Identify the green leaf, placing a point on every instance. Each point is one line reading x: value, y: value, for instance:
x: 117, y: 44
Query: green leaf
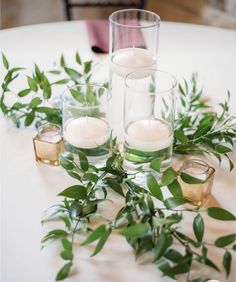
x: 78, y: 96
x: 225, y: 240
x: 67, y: 163
x: 162, y: 244
x: 30, y: 118
x: 135, y: 231
x: 173, y: 202
x: 179, y: 135
x: 38, y: 73
x: 17, y: 106
x: 188, y: 239
x: 64, y: 271
x: 24, y: 92
x: 58, y: 232
x: 227, y: 259
x: 97, y: 233
x: 91, y: 177
x: 190, y: 179
x: 55, y: 71
x: 200, y: 280
x: 67, y: 255
x: 156, y: 164
x: 102, y: 241
x: 83, y: 160
x: 169, y: 220
x: 67, y: 245
x: 154, y: 187
x: 75, y: 192
x: 78, y: 59
x: 62, y: 61
x: 54, y: 234
x: 219, y: 213
x: 90, y: 95
x: 114, y: 185
x: 74, y: 74
x: 5, y: 61
x: 32, y: 84
x: 168, y: 176
x: 75, y: 209
x: 198, y: 227
x: 175, y: 189
x: 3, y: 106
x: 222, y: 149
x: 35, y: 102
x: 47, y: 91
x: 47, y: 110
x: 87, y: 66
x: 61, y: 81
x: 207, y: 262
x: 173, y: 255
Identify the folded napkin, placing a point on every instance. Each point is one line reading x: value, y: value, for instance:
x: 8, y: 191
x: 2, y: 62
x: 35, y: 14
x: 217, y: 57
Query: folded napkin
x: 98, y: 33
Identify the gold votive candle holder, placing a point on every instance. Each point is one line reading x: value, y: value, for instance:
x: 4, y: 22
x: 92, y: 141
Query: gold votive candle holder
x: 197, y: 194
x: 48, y: 144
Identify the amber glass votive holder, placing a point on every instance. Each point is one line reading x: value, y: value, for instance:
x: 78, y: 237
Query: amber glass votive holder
x: 48, y: 144
x: 197, y: 194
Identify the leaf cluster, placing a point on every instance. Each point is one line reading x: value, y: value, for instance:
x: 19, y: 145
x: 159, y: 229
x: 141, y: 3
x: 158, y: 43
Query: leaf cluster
x: 199, y: 129
x: 148, y: 220
x: 37, y: 101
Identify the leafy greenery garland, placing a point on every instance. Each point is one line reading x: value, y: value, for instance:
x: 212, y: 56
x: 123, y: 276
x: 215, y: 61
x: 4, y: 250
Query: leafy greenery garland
x: 149, y: 221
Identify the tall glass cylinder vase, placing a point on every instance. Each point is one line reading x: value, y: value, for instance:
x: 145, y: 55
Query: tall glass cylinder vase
x: 85, y: 121
x: 133, y: 37
x: 149, y: 109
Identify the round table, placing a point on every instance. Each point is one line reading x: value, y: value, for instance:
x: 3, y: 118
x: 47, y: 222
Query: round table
x: 28, y: 188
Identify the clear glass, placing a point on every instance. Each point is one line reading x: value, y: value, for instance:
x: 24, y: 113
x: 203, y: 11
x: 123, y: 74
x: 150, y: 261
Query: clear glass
x: 48, y: 143
x: 85, y: 121
x: 133, y: 39
x: 149, y: 109
x: 197, y: 193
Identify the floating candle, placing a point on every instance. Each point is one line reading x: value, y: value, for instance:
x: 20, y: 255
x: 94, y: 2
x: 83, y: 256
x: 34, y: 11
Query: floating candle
x: 86, y: 132
x: 149, y: 135
x: 127, y: 60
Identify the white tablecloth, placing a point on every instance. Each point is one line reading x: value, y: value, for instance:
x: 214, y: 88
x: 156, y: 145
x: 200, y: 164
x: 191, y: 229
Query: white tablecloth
x: 28, y: 188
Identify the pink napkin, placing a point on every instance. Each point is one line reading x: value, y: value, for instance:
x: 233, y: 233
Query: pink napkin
x: 98, y: 33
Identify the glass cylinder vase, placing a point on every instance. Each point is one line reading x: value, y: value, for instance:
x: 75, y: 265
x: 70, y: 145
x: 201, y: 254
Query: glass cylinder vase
x: 85, y: 121
x: 149, y: 109
x: 133, y: 39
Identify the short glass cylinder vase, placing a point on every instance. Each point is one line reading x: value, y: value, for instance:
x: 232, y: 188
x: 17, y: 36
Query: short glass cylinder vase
x: 149, y: 110
x: 48, y: 144
x: 196, y: 193
x: 85, y: 121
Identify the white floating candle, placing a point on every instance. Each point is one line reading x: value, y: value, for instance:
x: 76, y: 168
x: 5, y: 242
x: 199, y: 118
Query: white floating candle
x: 86, y: 132
x: 128, y: 60
x: 149, y: 135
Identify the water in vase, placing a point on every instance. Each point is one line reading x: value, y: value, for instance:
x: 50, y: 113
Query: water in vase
x: 146, y: 140
x: 123, y: 62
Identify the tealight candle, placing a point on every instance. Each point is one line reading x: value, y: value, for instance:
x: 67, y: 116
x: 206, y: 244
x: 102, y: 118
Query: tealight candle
x: 86, y: 132
x: 127, y: 60
x: 197, y: 193
x: 48, y: 144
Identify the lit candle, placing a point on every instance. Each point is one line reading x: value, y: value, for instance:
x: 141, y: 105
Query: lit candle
x: 86, y: 132
x: 149, y: 135
x: 128, y: 60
